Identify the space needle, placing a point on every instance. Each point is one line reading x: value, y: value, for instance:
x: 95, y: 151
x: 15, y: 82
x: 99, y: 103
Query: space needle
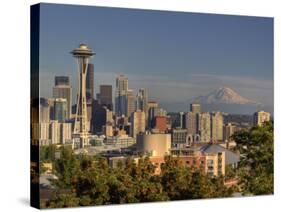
x: 81, y: 128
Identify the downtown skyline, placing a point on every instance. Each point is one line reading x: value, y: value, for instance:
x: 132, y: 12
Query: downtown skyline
x: 163, y: 55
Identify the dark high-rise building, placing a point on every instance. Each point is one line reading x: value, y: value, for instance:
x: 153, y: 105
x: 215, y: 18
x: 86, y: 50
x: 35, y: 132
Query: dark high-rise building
x: 105, y: 96
x: 90, y: 83
x: 61, y: 80
x: 102, y: 116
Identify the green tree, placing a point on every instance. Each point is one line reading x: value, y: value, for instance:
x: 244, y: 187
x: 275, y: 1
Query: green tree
x: 176, y: 179
x: 64, y: 201
x: 256, y: 166
x: 66, y: 168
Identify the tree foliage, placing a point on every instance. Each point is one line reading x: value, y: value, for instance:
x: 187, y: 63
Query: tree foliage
x: 256, y: 167
x: 84, y: 180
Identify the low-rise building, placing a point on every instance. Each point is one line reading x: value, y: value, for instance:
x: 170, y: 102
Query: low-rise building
x: 156, y: 144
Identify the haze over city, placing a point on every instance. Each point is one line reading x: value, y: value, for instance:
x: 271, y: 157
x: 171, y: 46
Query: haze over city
x: 176, y: 56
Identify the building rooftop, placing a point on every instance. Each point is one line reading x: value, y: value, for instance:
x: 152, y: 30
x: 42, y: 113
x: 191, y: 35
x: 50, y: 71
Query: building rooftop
x: 230, y: 157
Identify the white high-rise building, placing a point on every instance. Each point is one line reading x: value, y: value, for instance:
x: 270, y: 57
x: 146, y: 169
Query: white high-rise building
x: 54, y: 132
x: 205, y: 127
x: 65, y: 133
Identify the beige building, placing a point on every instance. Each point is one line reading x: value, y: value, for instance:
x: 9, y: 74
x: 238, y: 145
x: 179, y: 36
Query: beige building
x: 107, y: 129
x: 260, y: 117
x: 216, y: 127
x: 44, y: 111
x: 52, y: 133
x: 215, y: 164
x: 228, y: 130
x: 195, y: 108
x: 138, y: 123
x: 154, y: 144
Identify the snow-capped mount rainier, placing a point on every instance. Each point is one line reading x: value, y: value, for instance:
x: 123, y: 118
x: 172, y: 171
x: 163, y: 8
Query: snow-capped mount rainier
x: 223, y: 95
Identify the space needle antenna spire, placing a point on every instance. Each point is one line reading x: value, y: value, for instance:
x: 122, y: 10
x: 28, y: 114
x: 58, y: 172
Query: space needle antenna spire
x: 81, y: 128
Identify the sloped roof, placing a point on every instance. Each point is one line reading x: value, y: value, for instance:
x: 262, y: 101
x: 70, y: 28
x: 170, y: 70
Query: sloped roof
x: 230, y: 157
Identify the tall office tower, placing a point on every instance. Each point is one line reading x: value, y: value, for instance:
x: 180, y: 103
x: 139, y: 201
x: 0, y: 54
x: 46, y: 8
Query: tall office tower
x: 181, y: 121
x: 60, y: 109
x: 216, y: 127
x: 195, y: 108
x: 131, y: 107
x: 61, y: 80
x: 102, y: 117
x: 81, y: 128
x: 90, y: 83
x: 260, y: 117
x: 138, y: 123
x: 63, y: 89
x: 205, y: 127
x: 105, y: 96
x: 192, y: 122
x: 121, y: 94
x: 142, y: 100
x: 44, y: 111
x: 228, y: 130
x: 152, y: 112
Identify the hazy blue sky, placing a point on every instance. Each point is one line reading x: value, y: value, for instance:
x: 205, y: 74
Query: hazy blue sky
x: 175, y: 55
